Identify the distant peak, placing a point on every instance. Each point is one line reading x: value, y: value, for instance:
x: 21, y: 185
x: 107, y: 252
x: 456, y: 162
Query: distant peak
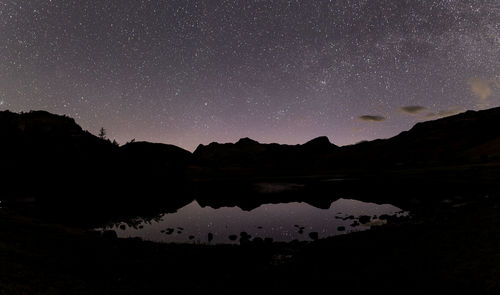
x: 246, y: 141
x: 322, y: 140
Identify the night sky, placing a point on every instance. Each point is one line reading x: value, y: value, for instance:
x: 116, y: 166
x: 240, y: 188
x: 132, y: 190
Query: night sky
x: 189, y: 72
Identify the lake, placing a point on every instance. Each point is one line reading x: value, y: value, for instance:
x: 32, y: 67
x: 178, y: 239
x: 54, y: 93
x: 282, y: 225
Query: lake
x: 282, y: 222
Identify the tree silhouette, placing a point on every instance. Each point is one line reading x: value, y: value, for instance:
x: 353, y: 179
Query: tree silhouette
x: 102, y: 133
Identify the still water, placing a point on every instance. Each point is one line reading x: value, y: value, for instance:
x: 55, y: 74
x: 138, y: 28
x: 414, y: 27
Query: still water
x: 279, y: 222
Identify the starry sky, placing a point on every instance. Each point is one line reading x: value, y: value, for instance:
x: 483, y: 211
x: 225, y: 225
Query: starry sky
x: 190, y: 72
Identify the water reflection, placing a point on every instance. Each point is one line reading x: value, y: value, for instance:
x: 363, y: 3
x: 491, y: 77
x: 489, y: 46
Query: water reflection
x: 279, y: 222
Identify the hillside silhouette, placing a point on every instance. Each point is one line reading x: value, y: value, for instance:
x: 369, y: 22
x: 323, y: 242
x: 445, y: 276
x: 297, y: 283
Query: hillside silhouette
x: 49, y: 161
x: 466, y: 138
x: 51, y: 164
x: 470, y: 137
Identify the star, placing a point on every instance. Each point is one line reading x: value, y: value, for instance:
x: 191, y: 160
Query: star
x: 248, y: 68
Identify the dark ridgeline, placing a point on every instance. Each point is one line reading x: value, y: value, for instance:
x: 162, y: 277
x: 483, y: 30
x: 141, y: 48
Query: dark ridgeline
x: 49, y: 161
x: 70, y: 172
x: 467, y: 138
x: 440, y: 157
x: 229, y: 174
x: 247, y: 155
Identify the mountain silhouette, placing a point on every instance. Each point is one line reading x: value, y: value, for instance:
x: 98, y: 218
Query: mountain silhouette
x: 41, y: 133
x: 43, y: 151
x: 161, y: 156
x: 248, y: 153
x: 42, y: 138
x: 469, y: 137
x: 321, y: 143
x: 50, y: 160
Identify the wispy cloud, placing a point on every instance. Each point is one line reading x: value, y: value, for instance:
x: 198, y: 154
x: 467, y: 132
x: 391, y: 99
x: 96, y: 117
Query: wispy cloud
x: 483, y: 88
x: 372, y: 118
x: 412, y: 109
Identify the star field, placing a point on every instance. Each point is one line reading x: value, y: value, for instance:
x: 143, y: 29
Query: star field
x: 189, y: 72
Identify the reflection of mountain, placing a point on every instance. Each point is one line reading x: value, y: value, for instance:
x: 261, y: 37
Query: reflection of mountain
x: 50, y: 158
x: 280, y: 222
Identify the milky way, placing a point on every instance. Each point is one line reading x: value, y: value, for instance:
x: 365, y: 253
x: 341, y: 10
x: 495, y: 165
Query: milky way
x: 189, y: 72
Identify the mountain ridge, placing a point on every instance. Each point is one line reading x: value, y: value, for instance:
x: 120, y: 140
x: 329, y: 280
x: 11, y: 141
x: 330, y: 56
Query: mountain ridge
x: 52, y: 160
x: 432, y: 139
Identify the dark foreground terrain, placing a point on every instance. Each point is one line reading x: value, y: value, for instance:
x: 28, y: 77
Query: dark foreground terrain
x: 59, y: 182
x: 450, y: 245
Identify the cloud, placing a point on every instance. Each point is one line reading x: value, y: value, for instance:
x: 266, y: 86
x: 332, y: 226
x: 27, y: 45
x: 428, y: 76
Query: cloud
x: 373, y: 118
x: 412, y: 109
x: 359, y: 129
x: 481, y: 88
